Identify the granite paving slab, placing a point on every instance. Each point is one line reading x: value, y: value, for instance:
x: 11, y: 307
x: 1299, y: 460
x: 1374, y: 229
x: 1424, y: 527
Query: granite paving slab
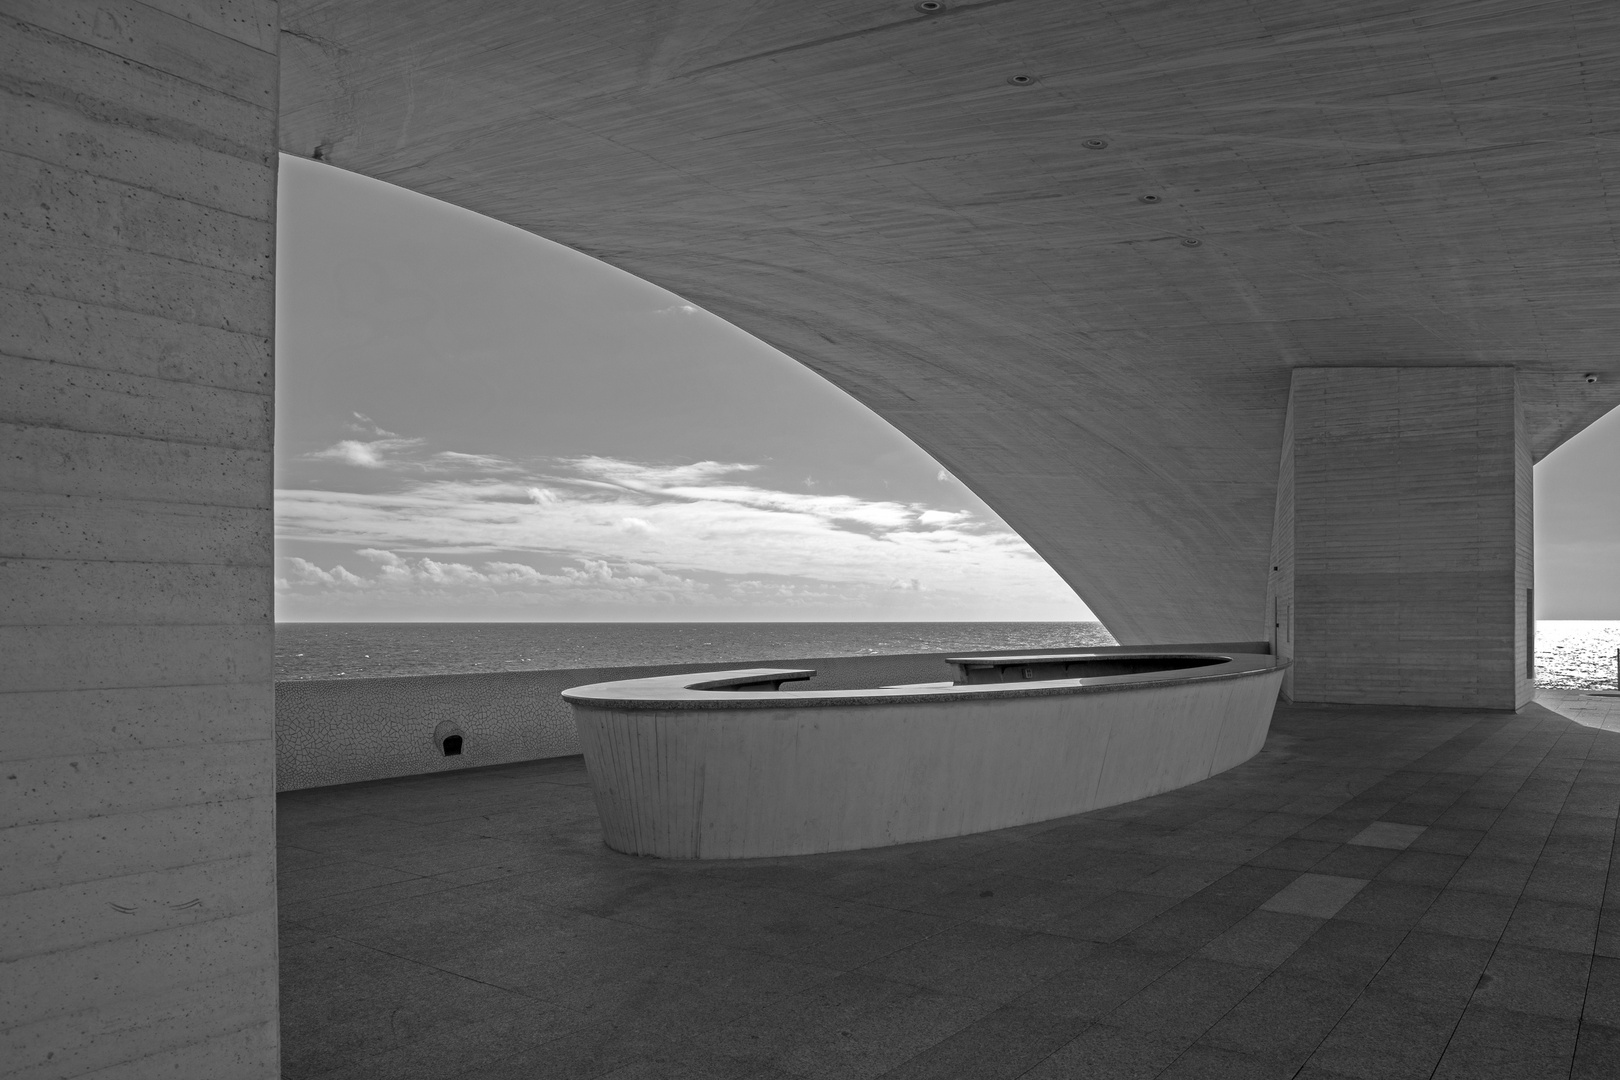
x: 1381, y: 892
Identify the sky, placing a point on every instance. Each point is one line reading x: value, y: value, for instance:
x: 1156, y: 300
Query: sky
x: 474, y: 423
x: 1577, y: 489
x: 477, y: 424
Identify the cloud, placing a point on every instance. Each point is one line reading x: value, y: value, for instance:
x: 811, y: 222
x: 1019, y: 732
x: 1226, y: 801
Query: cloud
x: 639, y: 477
x: 394, y: 577
x: 606, y: 530
x: 688, y: 517
x: 700, y: 481
x: 367, y: 426
x: 307, y: 573
x: 366, y: 455
x: 388, y: 450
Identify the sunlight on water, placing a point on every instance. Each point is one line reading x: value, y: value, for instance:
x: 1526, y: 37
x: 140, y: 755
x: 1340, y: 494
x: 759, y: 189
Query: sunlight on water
x: 1576, y: 654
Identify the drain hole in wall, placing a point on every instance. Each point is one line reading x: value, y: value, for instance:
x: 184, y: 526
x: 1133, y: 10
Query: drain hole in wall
x: 449, y: 739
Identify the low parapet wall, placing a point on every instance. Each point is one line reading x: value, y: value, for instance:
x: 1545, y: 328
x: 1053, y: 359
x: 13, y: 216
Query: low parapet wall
x: 339, y: 731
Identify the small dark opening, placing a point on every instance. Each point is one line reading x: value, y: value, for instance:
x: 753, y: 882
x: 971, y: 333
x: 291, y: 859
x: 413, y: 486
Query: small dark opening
x: 1088, y: 668
x: 452, y: 745
x: 1529, y: 633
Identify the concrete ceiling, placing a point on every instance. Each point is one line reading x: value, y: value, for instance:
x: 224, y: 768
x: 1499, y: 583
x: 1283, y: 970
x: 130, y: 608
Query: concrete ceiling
x: 1369, y: 183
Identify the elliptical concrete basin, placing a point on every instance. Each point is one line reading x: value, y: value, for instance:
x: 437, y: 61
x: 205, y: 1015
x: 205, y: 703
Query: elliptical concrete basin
x: 725, y: 765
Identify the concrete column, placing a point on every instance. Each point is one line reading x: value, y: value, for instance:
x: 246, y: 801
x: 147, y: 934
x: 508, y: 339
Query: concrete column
x: 1401, y: 557
x: 137, y: 869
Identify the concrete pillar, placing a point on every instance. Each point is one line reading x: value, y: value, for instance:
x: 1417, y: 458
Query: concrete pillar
x: 1401, y: 557
x: 137, y: 868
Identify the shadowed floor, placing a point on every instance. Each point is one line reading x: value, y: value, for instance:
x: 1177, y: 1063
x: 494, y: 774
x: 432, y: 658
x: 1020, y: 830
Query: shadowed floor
x: 1382, y: 892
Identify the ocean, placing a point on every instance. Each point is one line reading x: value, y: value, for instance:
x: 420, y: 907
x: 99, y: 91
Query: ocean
x: 369, y: 650
x: 1569, y: 654
x: 1576, y: 654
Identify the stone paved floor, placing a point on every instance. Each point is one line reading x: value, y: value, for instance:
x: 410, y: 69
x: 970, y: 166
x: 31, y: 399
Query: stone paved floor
x: 1594, y: 708
x: 1382, y: 892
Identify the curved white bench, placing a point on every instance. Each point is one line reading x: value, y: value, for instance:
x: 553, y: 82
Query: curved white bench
x: 723, y: 765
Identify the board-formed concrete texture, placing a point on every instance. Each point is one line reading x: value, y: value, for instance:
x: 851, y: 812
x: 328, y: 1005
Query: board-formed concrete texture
x: 137, y: 868
x: 1403, y: 577
x: 1075, y: 250
x: 1083, y: 293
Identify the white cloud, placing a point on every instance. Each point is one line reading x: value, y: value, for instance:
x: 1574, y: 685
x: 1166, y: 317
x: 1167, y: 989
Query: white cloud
x: 307, y: 573
x: 605, y: 530
x: 395, y: 577
x: 685, y: 518
x: 366, y: 455
x: 367, y: 426
x: 639, y: 477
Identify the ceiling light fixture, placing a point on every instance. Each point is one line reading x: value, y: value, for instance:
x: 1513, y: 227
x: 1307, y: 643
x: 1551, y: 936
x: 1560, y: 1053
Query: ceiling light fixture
x: 1095, y: 144
x: 1191, y: 241
x: 930, y: 7
x: 1150, y: 198
x: 1021, y: 80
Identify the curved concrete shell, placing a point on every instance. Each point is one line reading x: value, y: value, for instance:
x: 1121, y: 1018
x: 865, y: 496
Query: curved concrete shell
x: 1073, y: 250
x: 1315, y: 424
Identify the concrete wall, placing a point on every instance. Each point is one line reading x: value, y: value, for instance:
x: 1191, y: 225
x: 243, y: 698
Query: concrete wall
x: 1407, y: 496
x: 137, y: 903
x: 1280, y: 583
x: 338, y: 731
x: 762, y: 780
x: 1524, y: 557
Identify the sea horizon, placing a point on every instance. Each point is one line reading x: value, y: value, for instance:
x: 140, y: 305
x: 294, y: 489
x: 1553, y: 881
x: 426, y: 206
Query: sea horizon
x: 1570, y: 653
x: 306, y: 650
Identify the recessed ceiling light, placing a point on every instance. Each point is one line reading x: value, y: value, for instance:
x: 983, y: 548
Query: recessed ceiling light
x: 1191, y: 241
x: 930, y: 7
x: 1021, y: 80
x: 1095, y: 144
x: 1150, y: 198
